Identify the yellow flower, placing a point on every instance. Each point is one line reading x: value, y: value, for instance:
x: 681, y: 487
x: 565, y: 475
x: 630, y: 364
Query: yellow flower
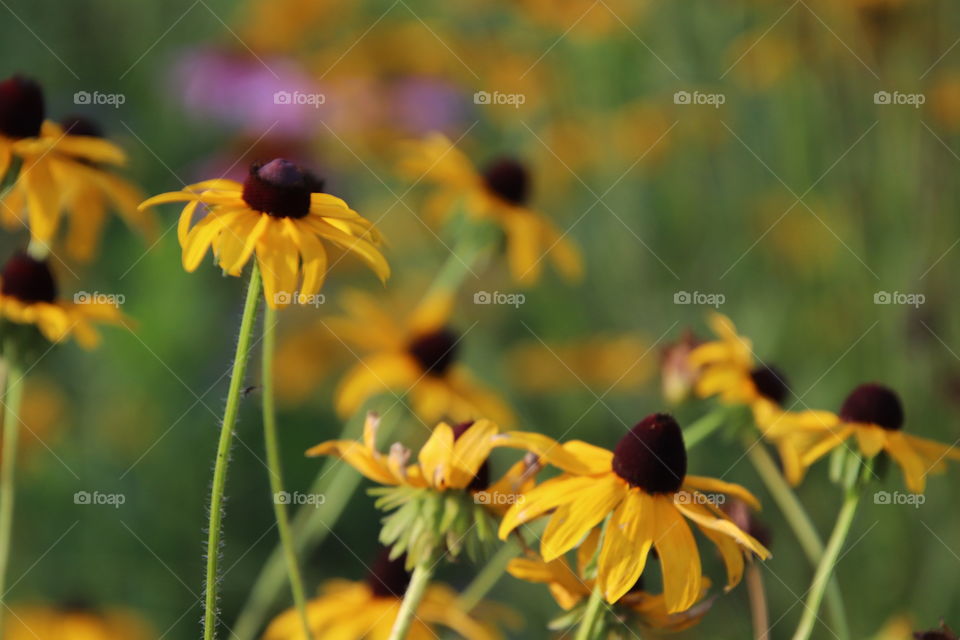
x: 569, y: 588
x: 28, y: 295
x: 418, y: 357
x: 644, y: 487
x: 280, y: 213
x: 873, y: 414
x: 53, y: 160
x: 498, y: 194
x: 348, y: 610
x: 73, y: 623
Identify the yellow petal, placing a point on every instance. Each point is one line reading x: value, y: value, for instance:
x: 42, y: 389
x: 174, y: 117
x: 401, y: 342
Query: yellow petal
x: 547, y: 449
x: 541, y: 499
x: 375, y: 374
x: 470, y: 451
x: 582, y: 512
x: 41, y: 189
x: 679, y: 556
x: 627, y: 541
x: 708, y: 519
x: 712, y: 485
x: 357, y: 456
x: 435, y: 455
x: 914, y: 469
x: 871, y: 440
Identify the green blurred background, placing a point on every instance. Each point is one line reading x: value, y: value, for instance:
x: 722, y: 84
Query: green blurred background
x: 797, y: 200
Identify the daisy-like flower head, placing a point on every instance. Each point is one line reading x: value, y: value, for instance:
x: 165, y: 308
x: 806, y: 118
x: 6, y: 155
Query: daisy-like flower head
x: 28, y: 296
x: 54, y: 163
x: 74, y: 622
x: 359, y: 610
x: 571, y: 588
x: 643, y: 486
x: 417, y: 356
x: 445, y: 498
x: 499, y: 193
x: 874, y: 415
x: 280, y: 212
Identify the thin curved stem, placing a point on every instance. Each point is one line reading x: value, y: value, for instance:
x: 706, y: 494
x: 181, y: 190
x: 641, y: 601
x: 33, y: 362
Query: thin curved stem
x: 699, y: 430
x: 223, y: 453
x: 759, y: 612
x: 11, y: 433
x: 411, y: 599
x: 488, y: 576
x: 275, y: 470
x: 802, y: 527
x: 830, y: 556
x: 591, y: 615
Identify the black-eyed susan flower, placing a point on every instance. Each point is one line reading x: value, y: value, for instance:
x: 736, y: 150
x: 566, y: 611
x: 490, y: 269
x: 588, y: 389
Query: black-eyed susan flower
x: 51, y: 160
x: 445, y: 498
x: 643, y: 487
x: 367, y: 610
x: 500, y: 193
x: 572, y: 588
x: 873, y: 415
x: 417, y: 356
x: 28, y: 296
x: 74, y: 622
x: 281, y: 213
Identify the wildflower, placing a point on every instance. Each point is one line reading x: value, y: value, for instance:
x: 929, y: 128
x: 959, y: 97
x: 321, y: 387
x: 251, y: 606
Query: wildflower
x: 354, y: 610
x: 418, y: 356
x: 74, y: 622
x: 51, y: 159
x: 643, y: 485
x: 500, y: 194
x: 873, y: 414
x: 942, y: 633
x: 28, y: 295
x: 570, y: 588
x: 677, y: 373
x: 279, y: 212
x: 443, y: 497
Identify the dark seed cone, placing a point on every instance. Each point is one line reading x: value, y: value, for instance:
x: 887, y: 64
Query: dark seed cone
x: 280, y: 188
x: 435, y: 351
x: 388, y: 578
x: 28, y: 279
x: 771, y: 384
x: 509, y: 180
x: 652, y: 455
x: 21, y: 108
x: 873, y: 404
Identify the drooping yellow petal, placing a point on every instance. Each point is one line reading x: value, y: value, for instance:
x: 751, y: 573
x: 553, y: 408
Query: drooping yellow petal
x: 582, y: 512
x: 230, y: 244
x: 541, y: 499
x: 470, y: 451
x: 41, y: 190
x: 375, y: 374
x: 813, y: 451
x: 717, y: 521
x: 549, y: 450
x: 914, y: 470
x: 679, y: 556
x: 436, y: 454
x: 202, y: 235
x: 566, y: 588
x: 712, y: 485
x: 524, y: 252
x: 358, y: 456
x: 626, y: 544
x: 870, y: 439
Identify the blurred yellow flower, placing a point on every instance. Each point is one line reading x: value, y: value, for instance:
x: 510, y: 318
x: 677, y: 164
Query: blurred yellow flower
x: 281, y: 213
x: 499, y: 194
x: 28, y: 295
x: 51, y: 623
x: 643, y: 485
x: 415, y: 356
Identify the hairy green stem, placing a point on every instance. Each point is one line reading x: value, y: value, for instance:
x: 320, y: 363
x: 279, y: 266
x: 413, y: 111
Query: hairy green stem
x: 11, y: 432
x: 223, y: 453
x: 825, y: 569
x: 275, y: 470
x: 412, y: 598
x: 802, y: 527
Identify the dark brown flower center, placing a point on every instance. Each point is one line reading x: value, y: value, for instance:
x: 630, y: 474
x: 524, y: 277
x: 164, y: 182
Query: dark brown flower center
x: 481, y: 481
x: 508, y: 180
x: 873, y: 404
x: 28, y: 279
x: 388, y: 578
x: 21, y: 108
x: 771, y: 384
x: 435, y: 351
x: 280, y: 188
x: 652, y: 455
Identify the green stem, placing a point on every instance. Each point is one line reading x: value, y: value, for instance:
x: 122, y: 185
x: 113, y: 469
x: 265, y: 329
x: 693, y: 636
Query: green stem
x: 825, y: 570
x: 275, y: 469
x: 11, y: 432
x: 699, y: 430
x: 411, y: 599
x: 488, y: 576
x: 591, y: 616
x: 223, y: 453
x: 802, y: 527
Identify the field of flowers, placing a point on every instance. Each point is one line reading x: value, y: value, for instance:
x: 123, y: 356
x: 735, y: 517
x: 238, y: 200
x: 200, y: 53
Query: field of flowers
x: 511, y: 319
